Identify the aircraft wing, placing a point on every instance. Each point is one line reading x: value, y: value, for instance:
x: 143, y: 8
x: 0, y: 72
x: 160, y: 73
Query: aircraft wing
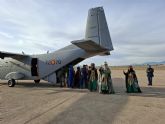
x: 12, y: 55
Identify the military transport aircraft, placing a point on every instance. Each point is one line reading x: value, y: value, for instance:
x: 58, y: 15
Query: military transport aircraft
x: 97, y: 41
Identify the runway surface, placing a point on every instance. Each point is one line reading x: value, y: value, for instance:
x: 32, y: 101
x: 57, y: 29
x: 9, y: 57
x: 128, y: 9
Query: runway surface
x: 29, y: 103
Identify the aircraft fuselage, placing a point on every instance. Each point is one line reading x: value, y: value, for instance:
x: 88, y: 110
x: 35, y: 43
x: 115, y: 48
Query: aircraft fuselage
x: 46, y: 64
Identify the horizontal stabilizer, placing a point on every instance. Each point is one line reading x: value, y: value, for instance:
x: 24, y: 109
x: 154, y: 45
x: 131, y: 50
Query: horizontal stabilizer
x: 105, y: 53
x: 89, y: 45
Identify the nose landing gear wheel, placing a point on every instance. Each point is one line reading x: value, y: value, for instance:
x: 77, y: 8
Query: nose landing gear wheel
x: 36, y: 81
x: 11, y: 83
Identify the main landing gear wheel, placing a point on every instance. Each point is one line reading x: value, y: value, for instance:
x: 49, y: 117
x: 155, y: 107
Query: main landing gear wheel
x: 11, y: 83
x: 36, y: 81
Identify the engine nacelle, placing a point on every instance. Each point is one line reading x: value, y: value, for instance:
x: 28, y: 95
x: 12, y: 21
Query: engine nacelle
x: 14, y: 75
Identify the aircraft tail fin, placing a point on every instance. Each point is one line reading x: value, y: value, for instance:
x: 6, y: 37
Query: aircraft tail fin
x: 97, y: 28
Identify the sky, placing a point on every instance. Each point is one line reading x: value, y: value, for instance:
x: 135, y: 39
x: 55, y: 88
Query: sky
x: 137, y: 27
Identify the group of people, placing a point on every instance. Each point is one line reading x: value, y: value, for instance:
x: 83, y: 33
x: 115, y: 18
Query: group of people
x: 88, y: 77
x: 70, y: 78
x: 75, y: 79
x: 100, y: 79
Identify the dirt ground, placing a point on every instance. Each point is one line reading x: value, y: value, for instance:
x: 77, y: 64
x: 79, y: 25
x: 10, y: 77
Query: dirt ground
x: 46, y: 104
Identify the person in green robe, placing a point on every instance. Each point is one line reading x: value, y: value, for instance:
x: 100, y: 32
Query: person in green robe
x: 93, y: 77
x: 131, y: 81
x: 106, y: 81
x: 101, y: 71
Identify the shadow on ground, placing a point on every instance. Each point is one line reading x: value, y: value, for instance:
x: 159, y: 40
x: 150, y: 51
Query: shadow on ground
x: 94, y: 108
x: 157, y: 92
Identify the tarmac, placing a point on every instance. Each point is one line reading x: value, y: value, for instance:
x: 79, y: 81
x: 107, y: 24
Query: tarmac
x: 43, y: 103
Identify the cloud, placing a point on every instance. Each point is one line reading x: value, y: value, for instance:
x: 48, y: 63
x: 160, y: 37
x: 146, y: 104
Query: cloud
x: 34, y: 26
x: 6, y: 35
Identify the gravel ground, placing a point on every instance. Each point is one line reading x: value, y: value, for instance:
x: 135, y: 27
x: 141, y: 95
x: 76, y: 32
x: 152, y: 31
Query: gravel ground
x: 43, y: 103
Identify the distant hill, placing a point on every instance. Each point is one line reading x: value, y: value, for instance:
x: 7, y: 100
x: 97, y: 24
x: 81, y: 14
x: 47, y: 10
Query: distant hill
x: 154, y: 63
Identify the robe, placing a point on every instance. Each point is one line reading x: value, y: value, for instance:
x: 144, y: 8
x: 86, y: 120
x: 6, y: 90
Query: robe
x: 93, y: 80
x: 106, y: 82
x: 71, y: 77
x: 132, y: 82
